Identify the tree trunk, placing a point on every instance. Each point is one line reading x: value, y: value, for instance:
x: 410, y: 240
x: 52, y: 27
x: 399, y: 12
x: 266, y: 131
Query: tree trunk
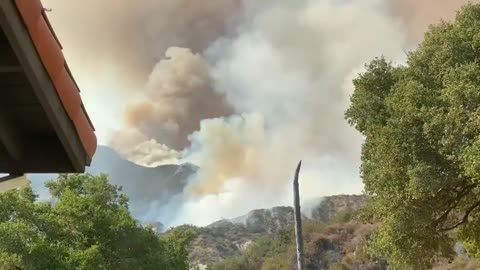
x: 298, y: 220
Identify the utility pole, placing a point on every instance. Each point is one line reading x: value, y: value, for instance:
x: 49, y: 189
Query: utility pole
x: 298, y: 220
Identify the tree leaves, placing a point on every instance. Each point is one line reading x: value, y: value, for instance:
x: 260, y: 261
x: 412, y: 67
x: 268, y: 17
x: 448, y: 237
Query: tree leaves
x: 88, y: 226
x: 420, y: 159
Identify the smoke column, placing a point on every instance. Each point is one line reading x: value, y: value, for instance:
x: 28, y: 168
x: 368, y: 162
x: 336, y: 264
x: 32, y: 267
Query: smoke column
x: 178, y: 95
x: 243, y: 89
x: 112, y: 46
x: 287, y: 71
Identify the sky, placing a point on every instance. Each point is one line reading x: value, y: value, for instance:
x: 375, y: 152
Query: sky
x: 242, y: 88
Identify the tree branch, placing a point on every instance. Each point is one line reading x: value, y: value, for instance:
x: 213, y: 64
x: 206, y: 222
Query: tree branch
x: 453, y: 203
x: 464, y: 219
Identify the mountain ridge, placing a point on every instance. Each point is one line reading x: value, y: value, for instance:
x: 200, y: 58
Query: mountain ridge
x: 230, y: 237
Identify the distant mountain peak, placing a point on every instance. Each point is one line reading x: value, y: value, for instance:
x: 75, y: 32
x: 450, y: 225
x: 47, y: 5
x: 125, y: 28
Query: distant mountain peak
x: 270, y: 220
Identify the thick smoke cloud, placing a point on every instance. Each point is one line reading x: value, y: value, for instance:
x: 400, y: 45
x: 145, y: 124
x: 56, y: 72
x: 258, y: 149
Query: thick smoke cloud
x: 417, y: 15
x: 225, y: 149
x: 242, y: 88
x: 286, y: 72
x: 179, y: 94
x: 143, y: 150
x: 113, y: 45
x: 132, y: 36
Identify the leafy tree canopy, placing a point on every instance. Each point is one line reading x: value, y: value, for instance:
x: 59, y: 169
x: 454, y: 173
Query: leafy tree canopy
x: 421, y: 156
x: 86, y: 226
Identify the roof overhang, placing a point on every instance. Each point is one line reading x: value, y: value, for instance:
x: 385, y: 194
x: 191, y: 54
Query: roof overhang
x: 44, y: 127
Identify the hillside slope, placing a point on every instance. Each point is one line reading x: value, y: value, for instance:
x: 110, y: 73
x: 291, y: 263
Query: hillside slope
x: 230, y: 237
x: 147, y: 188
x: 263, y: 239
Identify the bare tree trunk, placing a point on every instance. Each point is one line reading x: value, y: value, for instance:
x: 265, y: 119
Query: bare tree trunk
x: 298, y: 220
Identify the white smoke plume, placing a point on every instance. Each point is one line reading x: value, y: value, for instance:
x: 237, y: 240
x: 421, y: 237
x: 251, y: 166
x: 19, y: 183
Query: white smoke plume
x: 288, y: 67
x: 147, y: 152
x: 291, y: 65
x: 179, y: 94
x: 244, y: 89
x: 113, y: 45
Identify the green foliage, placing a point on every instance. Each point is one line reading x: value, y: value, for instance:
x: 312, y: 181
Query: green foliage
x: 232, y: 263
x: 421, y: 156
x: 326, y: 247
x: 338, y: 266
x: 87, y: 227
x: 266, y: 253
x: 178, y: 239
x: 345, y: 217
x: 459, y: 263
x: 277, y: 262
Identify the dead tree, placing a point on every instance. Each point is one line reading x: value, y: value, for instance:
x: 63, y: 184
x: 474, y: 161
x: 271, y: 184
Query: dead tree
x: 298, y: 220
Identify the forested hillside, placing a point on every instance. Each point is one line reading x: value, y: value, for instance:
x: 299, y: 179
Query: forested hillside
x: 338, y: 243
x: 231, y: 237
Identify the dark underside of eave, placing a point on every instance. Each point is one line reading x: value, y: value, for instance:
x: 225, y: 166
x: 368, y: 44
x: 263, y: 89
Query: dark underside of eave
x: 28, y: 141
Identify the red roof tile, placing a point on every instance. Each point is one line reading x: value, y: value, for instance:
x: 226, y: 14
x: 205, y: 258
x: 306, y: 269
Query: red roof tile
x: 50, y: 52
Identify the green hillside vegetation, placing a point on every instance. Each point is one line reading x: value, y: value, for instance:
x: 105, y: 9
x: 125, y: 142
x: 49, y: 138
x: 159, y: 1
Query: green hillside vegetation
x: 342, y: 244
x: 339, y: 245
x: 231, y: 237
x: 87, y: 225
x: 421, y: 156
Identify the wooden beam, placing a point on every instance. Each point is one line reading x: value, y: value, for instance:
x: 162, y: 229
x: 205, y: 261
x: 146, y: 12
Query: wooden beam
x: 7, y: 55
x: 21, y: 43
x: 10, y: 137
x: 8, y: 164
x: 10, y: 69
x: 41, y: 155
x: 17, y: 95
x: 45, y: 153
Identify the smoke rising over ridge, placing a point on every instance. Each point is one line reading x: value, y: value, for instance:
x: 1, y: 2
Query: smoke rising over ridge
x: 244, y: 89
x: 113, y: 45
x: 179, y: 95
x: 286, y: 71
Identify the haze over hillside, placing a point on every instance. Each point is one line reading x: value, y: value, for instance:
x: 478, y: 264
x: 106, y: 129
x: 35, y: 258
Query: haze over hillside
x: 243, y: 89
x: 149, y: 189
x: 156, y: 193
